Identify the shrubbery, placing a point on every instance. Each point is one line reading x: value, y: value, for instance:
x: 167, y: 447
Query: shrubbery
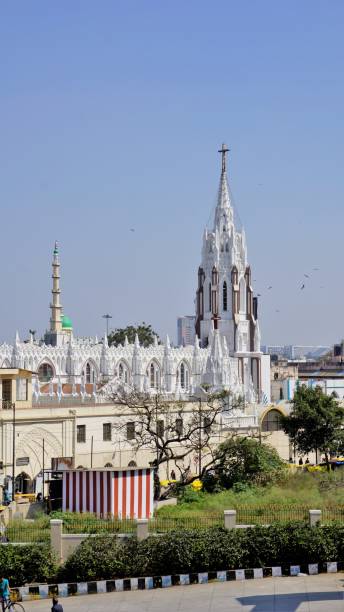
x: 20, y: 564
x: 204, y: 550
x: 103, y: 557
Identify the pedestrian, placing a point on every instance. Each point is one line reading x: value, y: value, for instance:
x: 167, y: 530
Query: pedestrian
x: 300, y: 461
x: 56, y: 607
x: 4, y: 591
x: 173, y: 475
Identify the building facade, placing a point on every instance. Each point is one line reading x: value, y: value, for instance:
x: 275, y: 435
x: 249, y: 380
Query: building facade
x: 225, y: 352
x: 186, y: 330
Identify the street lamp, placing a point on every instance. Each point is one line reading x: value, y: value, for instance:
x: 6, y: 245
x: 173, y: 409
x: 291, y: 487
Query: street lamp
x: 107, y: 317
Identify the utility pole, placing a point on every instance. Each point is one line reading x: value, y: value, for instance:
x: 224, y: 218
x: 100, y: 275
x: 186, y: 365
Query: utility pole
x: 43, y: 466
x: 200, y: 437
x: 13, y: 448
x: 107, y: 317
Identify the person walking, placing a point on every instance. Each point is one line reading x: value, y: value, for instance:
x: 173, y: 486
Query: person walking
x: 56, y: 607
x: 4, y: 592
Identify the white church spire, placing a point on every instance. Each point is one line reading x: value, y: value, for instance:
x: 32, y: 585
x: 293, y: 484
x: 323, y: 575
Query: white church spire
x: 224, y: 210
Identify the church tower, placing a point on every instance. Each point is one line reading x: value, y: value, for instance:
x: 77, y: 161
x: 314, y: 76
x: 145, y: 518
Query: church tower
x: 224, y: 297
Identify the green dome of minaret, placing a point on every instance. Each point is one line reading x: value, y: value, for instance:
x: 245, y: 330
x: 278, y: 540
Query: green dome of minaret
x: 66, y: 322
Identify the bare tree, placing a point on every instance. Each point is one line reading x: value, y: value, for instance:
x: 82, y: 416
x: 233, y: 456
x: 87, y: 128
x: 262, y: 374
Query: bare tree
x: 175, y: 431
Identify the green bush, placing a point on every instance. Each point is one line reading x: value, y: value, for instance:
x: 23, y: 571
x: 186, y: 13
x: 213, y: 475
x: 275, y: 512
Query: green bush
x: 204, y: 550
x: 21, y: 564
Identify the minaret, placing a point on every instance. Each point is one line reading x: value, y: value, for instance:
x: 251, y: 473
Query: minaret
x: 56, y: 308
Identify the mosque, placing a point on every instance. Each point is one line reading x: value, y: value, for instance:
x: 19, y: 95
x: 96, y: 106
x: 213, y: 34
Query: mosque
x: 226, y: 353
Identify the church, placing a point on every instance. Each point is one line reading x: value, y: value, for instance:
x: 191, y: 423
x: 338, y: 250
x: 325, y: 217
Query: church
x: 226, y: 353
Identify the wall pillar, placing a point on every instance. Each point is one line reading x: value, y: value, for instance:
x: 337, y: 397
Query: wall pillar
x: 314, y: 517
x: 142, y: 529
x: 56, y: 538
x: 230, y: 519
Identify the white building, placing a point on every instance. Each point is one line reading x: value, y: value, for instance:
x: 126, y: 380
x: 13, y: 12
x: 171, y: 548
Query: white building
x: 186, y: 330
x: 225, y: 353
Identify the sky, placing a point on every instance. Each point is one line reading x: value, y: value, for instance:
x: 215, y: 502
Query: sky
x: 111, y: 115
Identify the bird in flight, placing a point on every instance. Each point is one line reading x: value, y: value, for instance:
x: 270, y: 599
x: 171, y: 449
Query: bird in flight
x: 132, y: 229
x: 276, y: 310
x: 259, y: 294
x: 306, y: 275
x: 303, y: 286
x: 316, y: 269
x: 270, y: 287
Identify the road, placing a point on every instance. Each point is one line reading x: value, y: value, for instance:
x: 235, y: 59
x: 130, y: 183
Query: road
x: 323, y: 593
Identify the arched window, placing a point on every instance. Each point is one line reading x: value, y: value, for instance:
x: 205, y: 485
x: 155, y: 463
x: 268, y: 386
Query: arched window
x: 272, y: 421
x: 183, y: 376
x: 45, y: 372
x: 242, y: 287
x: 227, y: 247
x: 224, y: 296
x: 209, y: 298
x: 123, y: 372
x: 154, y: 375
x: 132, y: 463
x: 91, y: 375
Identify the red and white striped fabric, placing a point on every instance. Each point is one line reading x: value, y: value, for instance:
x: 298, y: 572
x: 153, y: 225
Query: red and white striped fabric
x: 122, y: 493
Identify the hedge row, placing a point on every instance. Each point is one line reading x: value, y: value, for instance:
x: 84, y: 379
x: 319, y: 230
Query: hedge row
x: 31, y: 563
x: 103, y: 557
x: 208, y: 550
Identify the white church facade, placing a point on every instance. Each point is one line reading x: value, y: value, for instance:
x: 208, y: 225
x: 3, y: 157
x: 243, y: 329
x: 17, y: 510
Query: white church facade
x: 226, y: 353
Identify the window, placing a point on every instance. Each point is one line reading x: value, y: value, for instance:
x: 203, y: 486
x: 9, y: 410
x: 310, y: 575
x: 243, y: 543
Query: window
x: 7, y: 390
x: 224, y: 296
x: 179, y: 426
x: 242, y: 289
x: 81, y: 433
x: 132, y: 463
x: 90, y: 373
x: 123, y: 372
x: 272, y: 421
x: 281, y: 393
x: 154, y: 375
x: 209, y: 298
x: 183, y: 376
x: 21, y: 393
x: 131, y: 430
x: 107, y: 432
x: 160, y: 428
x: 45, y: 372
x: 207, y: 425
x: 276, y: 376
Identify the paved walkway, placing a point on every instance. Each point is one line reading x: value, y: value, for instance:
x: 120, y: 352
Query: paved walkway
x: 323, y: 593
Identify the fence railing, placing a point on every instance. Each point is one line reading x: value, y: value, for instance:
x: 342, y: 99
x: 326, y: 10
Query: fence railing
x: 161, y: 524
x: 21, y: 531
x: 93, y: 525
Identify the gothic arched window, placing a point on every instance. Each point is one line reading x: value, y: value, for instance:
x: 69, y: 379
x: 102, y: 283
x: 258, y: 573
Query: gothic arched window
x: 45, y: 372
x: 183, y: 376
x: 209, y: 298
x: 242, y: 288
x: 91, y: 374
x: 154, y: 375
x: 224, y: 296
x: 123, y: 372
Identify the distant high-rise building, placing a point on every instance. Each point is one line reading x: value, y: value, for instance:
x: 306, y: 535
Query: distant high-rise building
x: 186, y: 330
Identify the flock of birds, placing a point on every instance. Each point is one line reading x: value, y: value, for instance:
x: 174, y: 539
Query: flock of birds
x: 302, y: 285
x: 303, y: 282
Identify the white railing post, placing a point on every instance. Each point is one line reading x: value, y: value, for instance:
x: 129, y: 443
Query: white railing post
x: 230, y: 519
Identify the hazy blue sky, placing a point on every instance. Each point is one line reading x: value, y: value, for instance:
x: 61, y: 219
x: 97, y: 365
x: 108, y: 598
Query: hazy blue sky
x: 111, y: 116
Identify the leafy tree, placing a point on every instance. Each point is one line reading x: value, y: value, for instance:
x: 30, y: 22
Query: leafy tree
x: 241, y: 460
x: 315, y: 423
x: 145, y: 334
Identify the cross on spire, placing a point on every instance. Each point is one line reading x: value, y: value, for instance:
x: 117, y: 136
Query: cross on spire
x: 223, y: 152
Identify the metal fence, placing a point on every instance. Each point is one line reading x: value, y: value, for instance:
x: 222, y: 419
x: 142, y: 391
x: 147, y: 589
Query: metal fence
x: 161, y: 524
x: 24, y: 531
x: 94, y: 525
x: 264, y: 515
